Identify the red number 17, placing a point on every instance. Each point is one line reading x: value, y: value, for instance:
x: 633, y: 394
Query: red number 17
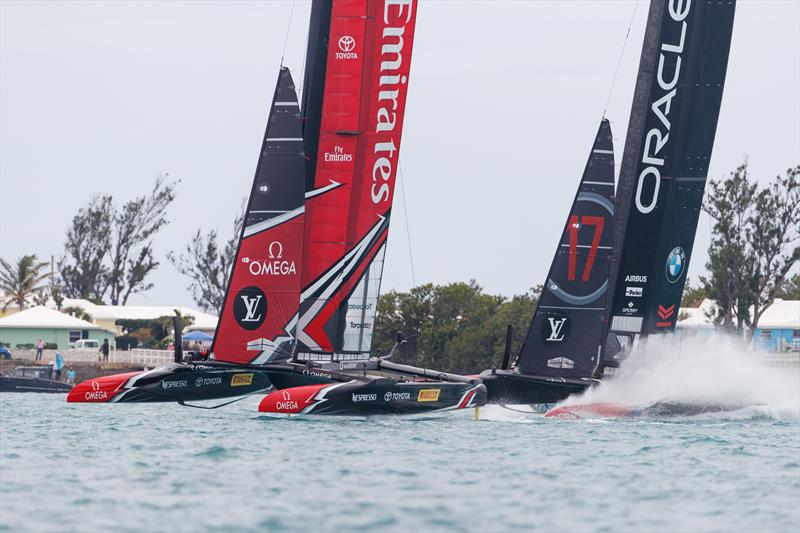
x: 598, y: 223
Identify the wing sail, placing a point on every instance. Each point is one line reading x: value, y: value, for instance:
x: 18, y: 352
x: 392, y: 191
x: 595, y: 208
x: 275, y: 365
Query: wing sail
x: 566, y: 334
x: 349, y: 205
x: 665, y: 165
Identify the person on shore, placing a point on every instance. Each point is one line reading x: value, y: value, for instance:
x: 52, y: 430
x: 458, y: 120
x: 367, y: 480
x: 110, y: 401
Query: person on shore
x: 70, y: 376
x: 58, y: 365
x: 104, y: 349
x: 39, y: 349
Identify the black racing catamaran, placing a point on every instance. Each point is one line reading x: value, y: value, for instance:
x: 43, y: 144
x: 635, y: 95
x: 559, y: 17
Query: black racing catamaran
x: 577, y: 327
x: 302, y: 295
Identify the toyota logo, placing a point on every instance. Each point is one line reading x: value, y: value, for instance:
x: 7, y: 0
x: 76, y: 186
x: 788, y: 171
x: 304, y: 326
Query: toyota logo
x: 346, y: 43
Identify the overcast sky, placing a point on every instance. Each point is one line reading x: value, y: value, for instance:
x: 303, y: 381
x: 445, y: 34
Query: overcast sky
x: 504, y: 101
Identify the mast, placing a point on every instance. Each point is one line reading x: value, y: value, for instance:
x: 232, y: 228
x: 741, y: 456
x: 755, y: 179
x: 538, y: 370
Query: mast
x: 665, y: 164
x: 349, y: 205
x: 259, y: 313
x: 565, y: 337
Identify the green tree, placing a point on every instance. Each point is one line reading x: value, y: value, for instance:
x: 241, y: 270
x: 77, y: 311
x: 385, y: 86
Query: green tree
x: 693, y: 295
x: 22, y: 281
x: 208, y: 264
x: 753, y: 245
x: 109, y: 252
x: 454, y: 327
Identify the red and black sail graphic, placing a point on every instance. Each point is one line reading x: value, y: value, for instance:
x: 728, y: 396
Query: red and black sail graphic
x: 260, y: 311
x: 566, y: 334
x: 358, y: 144
x: 665, y: 165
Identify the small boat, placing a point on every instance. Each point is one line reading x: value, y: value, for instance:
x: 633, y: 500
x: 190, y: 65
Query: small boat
x: 619, y: 269
x: 32, y: 379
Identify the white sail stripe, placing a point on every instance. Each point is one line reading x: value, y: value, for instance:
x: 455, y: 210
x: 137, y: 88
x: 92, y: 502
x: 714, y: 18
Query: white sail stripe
x: 265, y: 355
x: 341, y: 270
x: 599, y: 151
x: 277, y: 139
x: 275, y: 221
x: 589, y: 246
x: 316, y: 192
x: 285, y: 103
x: 573, y: 307
x: 597, y: 183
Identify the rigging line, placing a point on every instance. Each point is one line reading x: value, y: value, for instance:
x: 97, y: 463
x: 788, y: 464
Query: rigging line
x: 408, y: 230
x: 619, y: 61
x: 288, y: 28
x: 303, y: 67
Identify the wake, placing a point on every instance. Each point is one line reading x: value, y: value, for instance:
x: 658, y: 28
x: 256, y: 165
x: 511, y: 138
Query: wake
x: 717, y: 376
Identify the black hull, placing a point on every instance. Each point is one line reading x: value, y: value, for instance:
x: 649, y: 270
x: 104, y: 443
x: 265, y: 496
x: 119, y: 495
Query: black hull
x: 22, y: 384
x: 507, y: 387
x: 175, y: 382
x: 376, y: 397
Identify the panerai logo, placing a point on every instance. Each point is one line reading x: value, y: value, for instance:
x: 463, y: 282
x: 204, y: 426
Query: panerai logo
x: 657, y: 137
x: 389, y: 91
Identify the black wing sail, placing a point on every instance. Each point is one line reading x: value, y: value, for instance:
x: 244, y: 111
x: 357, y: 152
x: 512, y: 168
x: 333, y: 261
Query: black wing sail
x: 665, y: 165
x: 565, y: 336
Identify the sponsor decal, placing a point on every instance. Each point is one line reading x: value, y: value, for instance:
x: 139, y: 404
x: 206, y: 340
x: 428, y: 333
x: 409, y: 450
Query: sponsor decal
x: 241, y: 380
x: 656, y: 138
x: 274, y: 265
x: 316, y: 374
x: 665, y: 314
x: 633, y: 278
x: 364, y: 398
x: 390, y: 396
x: 96, y: 393
x: 338, y: 156
x: 360, y: 307
x: 287, y: 404
x: 555, y: 327
x: 250, y: 308
x: 561, y: 362
x: 263, y: 188
x: 174, y: 384
x: 389, y: 90
x: 428, y: 395
x: 202, y: 382
x: 360, y: 325
x: 633, y: 292
x: 630, y: 309
x: 346, y: 46
x: 676, y: 261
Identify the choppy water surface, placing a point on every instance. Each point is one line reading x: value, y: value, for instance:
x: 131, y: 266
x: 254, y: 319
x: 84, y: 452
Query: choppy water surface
x: 164, y: 467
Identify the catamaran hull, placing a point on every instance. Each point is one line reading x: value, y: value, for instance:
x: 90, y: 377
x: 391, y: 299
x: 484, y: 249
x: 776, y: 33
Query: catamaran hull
x: 375, y: 397
x: 171, y: 383
x: 508, y: 387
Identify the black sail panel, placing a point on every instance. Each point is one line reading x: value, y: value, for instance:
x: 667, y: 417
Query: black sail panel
x: 566, y: 334
x: 665, y: 164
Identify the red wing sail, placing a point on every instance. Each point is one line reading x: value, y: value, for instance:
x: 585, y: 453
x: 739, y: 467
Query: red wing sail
x: 260, y: 310
x: 348, y: 208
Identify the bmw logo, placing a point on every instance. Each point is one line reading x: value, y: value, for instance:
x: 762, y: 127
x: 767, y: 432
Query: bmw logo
x: 676, y: 264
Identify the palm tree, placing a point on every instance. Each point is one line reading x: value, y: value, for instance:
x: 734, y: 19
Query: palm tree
x: 20, y: 282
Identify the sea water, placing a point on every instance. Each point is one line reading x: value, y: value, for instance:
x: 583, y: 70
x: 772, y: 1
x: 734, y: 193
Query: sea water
x: 162, y: 467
